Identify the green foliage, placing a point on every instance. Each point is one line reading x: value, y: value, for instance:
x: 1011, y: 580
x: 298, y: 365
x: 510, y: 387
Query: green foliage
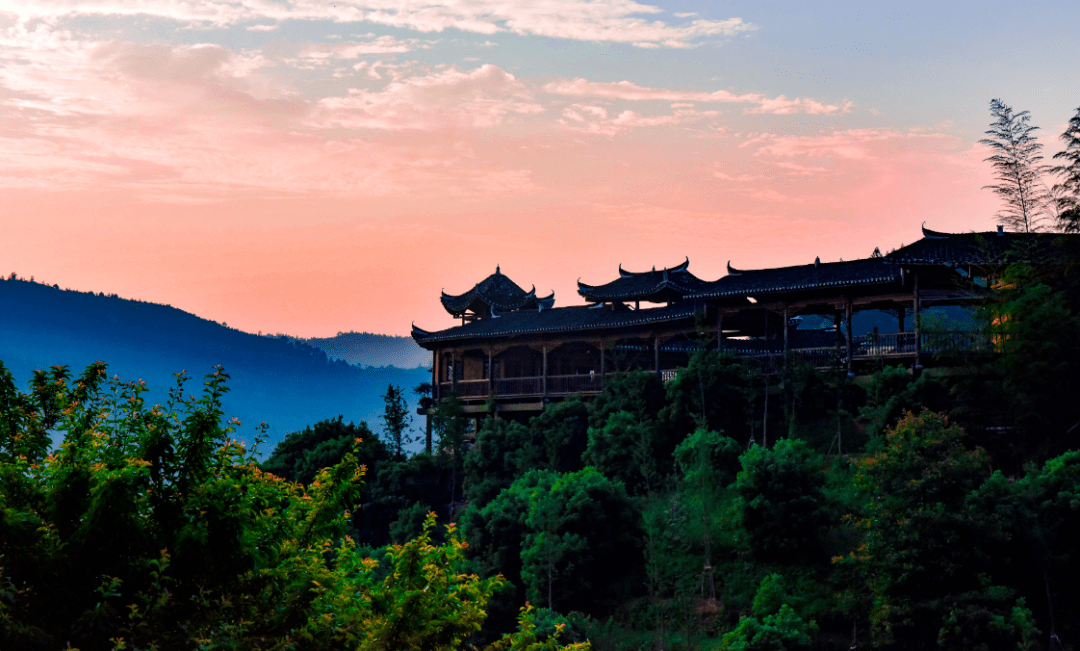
x: 497, y: 531
x: 891, y: 392
x: 711, y: 392
x: 504, y: 450
x: 563, y: 427
x: 301, y: 455
x: 583, y: 546
x: 637, y: 392
x: 396, y: 420
x: 629, y: 450
x: 151, y: 528
x: 708, y: 460
x: 926, y: 560
x: 782, y: 631
x: 783, y: 505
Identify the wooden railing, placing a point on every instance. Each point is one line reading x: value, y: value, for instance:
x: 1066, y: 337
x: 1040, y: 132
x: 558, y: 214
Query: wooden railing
x: 877, y: 346
x: 872, y: 346
x: 522, y: 387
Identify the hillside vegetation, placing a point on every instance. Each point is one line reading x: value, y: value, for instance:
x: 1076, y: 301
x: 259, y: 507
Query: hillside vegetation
x: 283, y: 382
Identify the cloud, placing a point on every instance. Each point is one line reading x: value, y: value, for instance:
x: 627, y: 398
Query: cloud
x: 450, y: 98
x: 595, y: 119
x: 629, y: 91
x: 261, y: 28
x: 198, y: 123
x: 357, y: 49
x: 619, y: 21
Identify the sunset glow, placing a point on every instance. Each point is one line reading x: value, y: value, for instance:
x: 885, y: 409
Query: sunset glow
x: 312, y: 167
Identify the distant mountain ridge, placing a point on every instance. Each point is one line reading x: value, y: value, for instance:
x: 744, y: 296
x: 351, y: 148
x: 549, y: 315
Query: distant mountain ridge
x: 283, y: 381
x: 369, y: 349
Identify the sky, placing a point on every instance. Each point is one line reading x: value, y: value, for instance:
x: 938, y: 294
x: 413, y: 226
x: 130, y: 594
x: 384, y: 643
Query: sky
x: 312, y: 167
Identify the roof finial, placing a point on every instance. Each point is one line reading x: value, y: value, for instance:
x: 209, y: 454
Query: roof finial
x: 817, y: 261
x: 497, y: 270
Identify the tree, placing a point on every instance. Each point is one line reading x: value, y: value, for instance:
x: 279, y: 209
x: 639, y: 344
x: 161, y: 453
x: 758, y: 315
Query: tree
x: 451, y: 426
x: 712, y: 392
x: 1067, y: 191
x: 583, y: 550
x: 396, y: 420
x: 152, y: 528
x: 504, y: 451
x: 927, y: 557
x: 564, y: 429
x: 1018, y: 169
x: 300, y: 456
x: 629, y: 450
x: 783, y: 504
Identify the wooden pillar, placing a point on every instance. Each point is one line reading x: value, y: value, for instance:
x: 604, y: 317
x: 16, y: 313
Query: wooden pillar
x: 849, y: 337
x: 544, y: 376
x: 900, y: 315
x: 603, y: 359
x: 786, y: 328
x: 491, y: 373
x: 656, y: 354
x: 453, y: 371
x: 918, y: 337
x: 434, y: 375
x: 720, y: 330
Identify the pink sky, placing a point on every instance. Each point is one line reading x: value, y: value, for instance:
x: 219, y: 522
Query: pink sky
x: 339, y: 178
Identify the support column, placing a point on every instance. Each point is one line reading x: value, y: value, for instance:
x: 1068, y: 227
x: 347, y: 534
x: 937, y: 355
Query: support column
x: 900, y: 316
x: 918, y: 327
x: 491, y: 374
x: 544, y: 379
x: 656, y: 354
x: 720, y: 330
x: 434, y: 375
x: 434, y: 397
x: 849, y: 337
x: 603, y: 360
x: 453, y: 371
x: 786, y: 328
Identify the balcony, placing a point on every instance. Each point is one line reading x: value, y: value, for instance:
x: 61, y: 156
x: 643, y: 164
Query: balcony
x: 526, y: 387
x: 896, y: 346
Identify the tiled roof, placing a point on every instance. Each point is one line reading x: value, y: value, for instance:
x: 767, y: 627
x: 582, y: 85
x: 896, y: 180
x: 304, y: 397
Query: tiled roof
x: 990, y: 248
x: 757, y: 282
x: 561, y: 319
x: 496, y: 293
x: 658, y: 286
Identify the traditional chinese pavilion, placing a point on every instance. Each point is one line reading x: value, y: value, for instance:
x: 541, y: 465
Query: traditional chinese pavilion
x: 514, y: 351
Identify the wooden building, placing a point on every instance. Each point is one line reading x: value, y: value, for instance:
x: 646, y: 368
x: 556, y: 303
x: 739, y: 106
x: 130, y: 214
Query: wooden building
x: 516, y: 352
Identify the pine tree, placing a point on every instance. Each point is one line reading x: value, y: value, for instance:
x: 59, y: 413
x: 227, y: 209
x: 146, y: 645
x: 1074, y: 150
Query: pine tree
x: 1067, y: 192
x: 1018, y: 168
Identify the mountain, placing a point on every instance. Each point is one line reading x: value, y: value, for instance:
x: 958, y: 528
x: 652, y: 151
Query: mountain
x: 274, y: 379
x: 367, y: 349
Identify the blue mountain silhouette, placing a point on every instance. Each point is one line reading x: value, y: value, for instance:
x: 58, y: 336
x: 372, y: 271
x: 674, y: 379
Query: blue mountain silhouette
x: 279, y: 380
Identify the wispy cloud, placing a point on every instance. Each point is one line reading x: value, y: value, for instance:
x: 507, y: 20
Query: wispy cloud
x: 445, y: 99
x: 620, y: 21
x: 628, y: 91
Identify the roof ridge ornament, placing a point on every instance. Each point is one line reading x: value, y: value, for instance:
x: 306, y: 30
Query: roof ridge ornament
x: 934, y: 235
x: 732, y: 271
x: 817, y: 261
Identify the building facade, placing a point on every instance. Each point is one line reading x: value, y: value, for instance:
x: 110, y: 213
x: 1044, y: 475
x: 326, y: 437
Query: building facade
x: 515, y: 352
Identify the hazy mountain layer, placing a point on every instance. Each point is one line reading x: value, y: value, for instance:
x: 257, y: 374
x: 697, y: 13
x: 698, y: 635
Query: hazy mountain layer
x: 367, y: 349
x: 284, y: 382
